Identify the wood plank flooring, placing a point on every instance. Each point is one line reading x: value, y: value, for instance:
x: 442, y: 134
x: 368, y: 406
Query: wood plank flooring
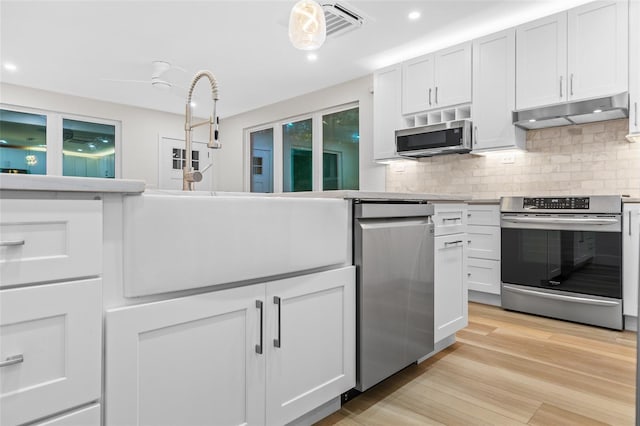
x: 508, y: 368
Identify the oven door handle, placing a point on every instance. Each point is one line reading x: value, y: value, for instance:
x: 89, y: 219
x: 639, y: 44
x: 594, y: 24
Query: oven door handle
x: 555, y: 296
x: 560, y: 220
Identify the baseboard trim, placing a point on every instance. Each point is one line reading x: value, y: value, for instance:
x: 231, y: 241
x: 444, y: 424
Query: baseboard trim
x: 485, y: 298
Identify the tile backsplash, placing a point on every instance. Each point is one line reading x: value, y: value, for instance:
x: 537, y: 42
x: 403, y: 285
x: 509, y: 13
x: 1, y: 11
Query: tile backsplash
x: 583, y: 159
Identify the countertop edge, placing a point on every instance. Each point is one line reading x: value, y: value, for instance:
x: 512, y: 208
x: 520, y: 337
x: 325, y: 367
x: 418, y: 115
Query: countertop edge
x: 16, y: 182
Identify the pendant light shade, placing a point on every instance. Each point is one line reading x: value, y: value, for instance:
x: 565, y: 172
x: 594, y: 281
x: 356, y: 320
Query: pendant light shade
x: 307, y: 27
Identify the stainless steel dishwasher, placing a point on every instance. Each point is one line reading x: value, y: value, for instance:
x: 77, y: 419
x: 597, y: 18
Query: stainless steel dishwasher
x: 393, y: 254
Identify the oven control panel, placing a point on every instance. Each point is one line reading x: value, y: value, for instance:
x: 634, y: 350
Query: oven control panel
x: 580, y: 203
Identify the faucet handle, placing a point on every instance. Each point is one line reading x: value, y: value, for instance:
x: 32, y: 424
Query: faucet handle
x: 194, y: 176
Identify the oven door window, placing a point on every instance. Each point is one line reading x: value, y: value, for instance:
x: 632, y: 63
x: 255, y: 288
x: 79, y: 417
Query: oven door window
x: 576, y: 261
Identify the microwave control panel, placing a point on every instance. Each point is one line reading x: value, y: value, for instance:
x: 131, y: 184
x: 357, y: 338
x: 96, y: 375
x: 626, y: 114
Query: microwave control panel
x: 574, y: 203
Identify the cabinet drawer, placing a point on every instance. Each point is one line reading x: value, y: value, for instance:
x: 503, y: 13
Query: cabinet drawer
x: 484, y: 275
x: 488, y: 215
x: 88, y: 416
x: 484, y: 242
x: 56, y: 329
x: 450, y: 218
x: 48, y: 240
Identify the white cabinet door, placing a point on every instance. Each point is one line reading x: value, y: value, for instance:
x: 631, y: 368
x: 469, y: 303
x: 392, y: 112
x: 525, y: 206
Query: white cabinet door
x: 631, y: 258
x: 483, y: 214
x: 494, y: 96
x: 310, y: 342
x: 452, y: 82
x: 483, y: 275
x: 634, y: 67
x: 56, y: 329
x: 597, y: 49
x: 387, y: 116
x: 484, y: 242
x: 450, y: 218
x: 417, y: 84
x: 450, y: 285
x: 541, y: 61
x: 186, y: 361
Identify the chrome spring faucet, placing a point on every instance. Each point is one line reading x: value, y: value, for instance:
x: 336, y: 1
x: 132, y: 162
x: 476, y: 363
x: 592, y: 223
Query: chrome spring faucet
x: 190, y: 176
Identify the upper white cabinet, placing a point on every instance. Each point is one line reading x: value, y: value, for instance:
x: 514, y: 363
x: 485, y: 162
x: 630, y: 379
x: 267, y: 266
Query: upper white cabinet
x: 494, y: 74
x: 573, y: 55
x: 279, y: 349
x: 387, y: 117
x: 631, y: 258
x: 634, y: 67
x: 437, y: 80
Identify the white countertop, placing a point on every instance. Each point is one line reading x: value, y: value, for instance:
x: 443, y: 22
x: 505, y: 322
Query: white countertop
x: 21, y: 182
x: 371, y: 195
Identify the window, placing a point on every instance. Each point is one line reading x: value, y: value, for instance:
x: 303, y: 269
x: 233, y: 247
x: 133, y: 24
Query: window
x: 317, y: 152
x: 23, y: 143
x: 46, y: 142
x: 88, y: 149
x: 261, y: 154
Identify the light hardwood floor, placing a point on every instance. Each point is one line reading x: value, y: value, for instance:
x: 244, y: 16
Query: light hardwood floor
x: 509, y: 368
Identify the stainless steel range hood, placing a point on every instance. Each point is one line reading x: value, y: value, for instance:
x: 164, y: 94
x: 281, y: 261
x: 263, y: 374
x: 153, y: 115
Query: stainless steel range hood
x: 578, y: 112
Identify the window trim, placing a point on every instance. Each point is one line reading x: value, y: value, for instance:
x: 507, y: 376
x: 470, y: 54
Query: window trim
x: 316, y: 143
x: 54, y: 136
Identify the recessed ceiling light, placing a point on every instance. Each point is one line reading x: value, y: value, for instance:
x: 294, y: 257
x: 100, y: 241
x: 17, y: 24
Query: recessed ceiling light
x: 533, y: 120
x: 10, y: 67
x: 414, y: 15
x: 193, y: 104
x: 312, y: 57
x: 597, y: 110
x: 79, y: 150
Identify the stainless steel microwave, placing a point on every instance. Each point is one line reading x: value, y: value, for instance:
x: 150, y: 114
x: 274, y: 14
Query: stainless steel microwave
x: 435, y: 139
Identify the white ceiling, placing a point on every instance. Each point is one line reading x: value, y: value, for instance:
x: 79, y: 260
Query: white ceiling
x: 72, y: 46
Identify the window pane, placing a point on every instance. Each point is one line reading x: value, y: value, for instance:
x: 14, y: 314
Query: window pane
x: 88, y: 149
x: 23, y: 143
x: 261, y: 160
x: 297, y: 162
x: 340, y: 150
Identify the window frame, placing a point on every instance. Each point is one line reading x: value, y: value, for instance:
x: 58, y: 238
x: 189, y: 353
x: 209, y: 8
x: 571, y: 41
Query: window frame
x: 278, y: 146
x: 54, y: 137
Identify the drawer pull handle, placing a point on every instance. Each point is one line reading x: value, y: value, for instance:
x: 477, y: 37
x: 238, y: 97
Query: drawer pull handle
x: 15, y: 359
x: 451, y: 218
x: 11, y: 243
x: 278, y: 342
x: 450, y: 243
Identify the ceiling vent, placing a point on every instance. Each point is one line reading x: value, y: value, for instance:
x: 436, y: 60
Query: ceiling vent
x: 340, y: 20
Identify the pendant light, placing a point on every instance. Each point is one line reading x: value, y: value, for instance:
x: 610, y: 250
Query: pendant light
x: 307, y: 26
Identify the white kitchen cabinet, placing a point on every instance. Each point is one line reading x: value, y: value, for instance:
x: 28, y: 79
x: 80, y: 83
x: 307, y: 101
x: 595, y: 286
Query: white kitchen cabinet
x: 387, y: 116
x: 483, y: 263
x: 630, y: 258
x: 54, y: 333
x: 314, y: 360
x: 573, y: 55
x: 47, y: 240
x: 494, y: 97
x: 449, y: 218
x: 634, y: 68
x: 450, y: 285
x: 211, y: 358
x: 437, y: 80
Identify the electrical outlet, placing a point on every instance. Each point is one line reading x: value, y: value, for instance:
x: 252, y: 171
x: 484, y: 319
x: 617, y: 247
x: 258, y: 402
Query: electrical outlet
x: 508, y: 158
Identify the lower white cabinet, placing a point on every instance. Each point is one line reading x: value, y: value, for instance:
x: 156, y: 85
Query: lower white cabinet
x: 258, y: 354
x: 51, y: 340
x: 630, y: 258
x: 483, y: 275
x: 483, y: 263
x: 450, y: 285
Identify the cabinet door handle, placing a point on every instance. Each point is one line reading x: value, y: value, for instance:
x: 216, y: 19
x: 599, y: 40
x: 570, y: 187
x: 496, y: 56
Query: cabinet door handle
x: 259, y: 346
x: 475, y: 135
x: 560, y: 87
x: 436, y: 95
x: 278, y: 342
x: 450, y: 243
x: 11, y: 243
x: 571, y: 84
x: 635, y: 114
x: 15, y: 359
x: 429, y: 96
x: 629, y: 222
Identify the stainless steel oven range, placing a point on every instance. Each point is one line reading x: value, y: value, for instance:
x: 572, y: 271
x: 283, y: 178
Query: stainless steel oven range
x: 562, y: 258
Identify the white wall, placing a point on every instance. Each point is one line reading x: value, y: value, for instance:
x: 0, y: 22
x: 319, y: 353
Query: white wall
x: 231, y: 159
x: 140, y: 127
